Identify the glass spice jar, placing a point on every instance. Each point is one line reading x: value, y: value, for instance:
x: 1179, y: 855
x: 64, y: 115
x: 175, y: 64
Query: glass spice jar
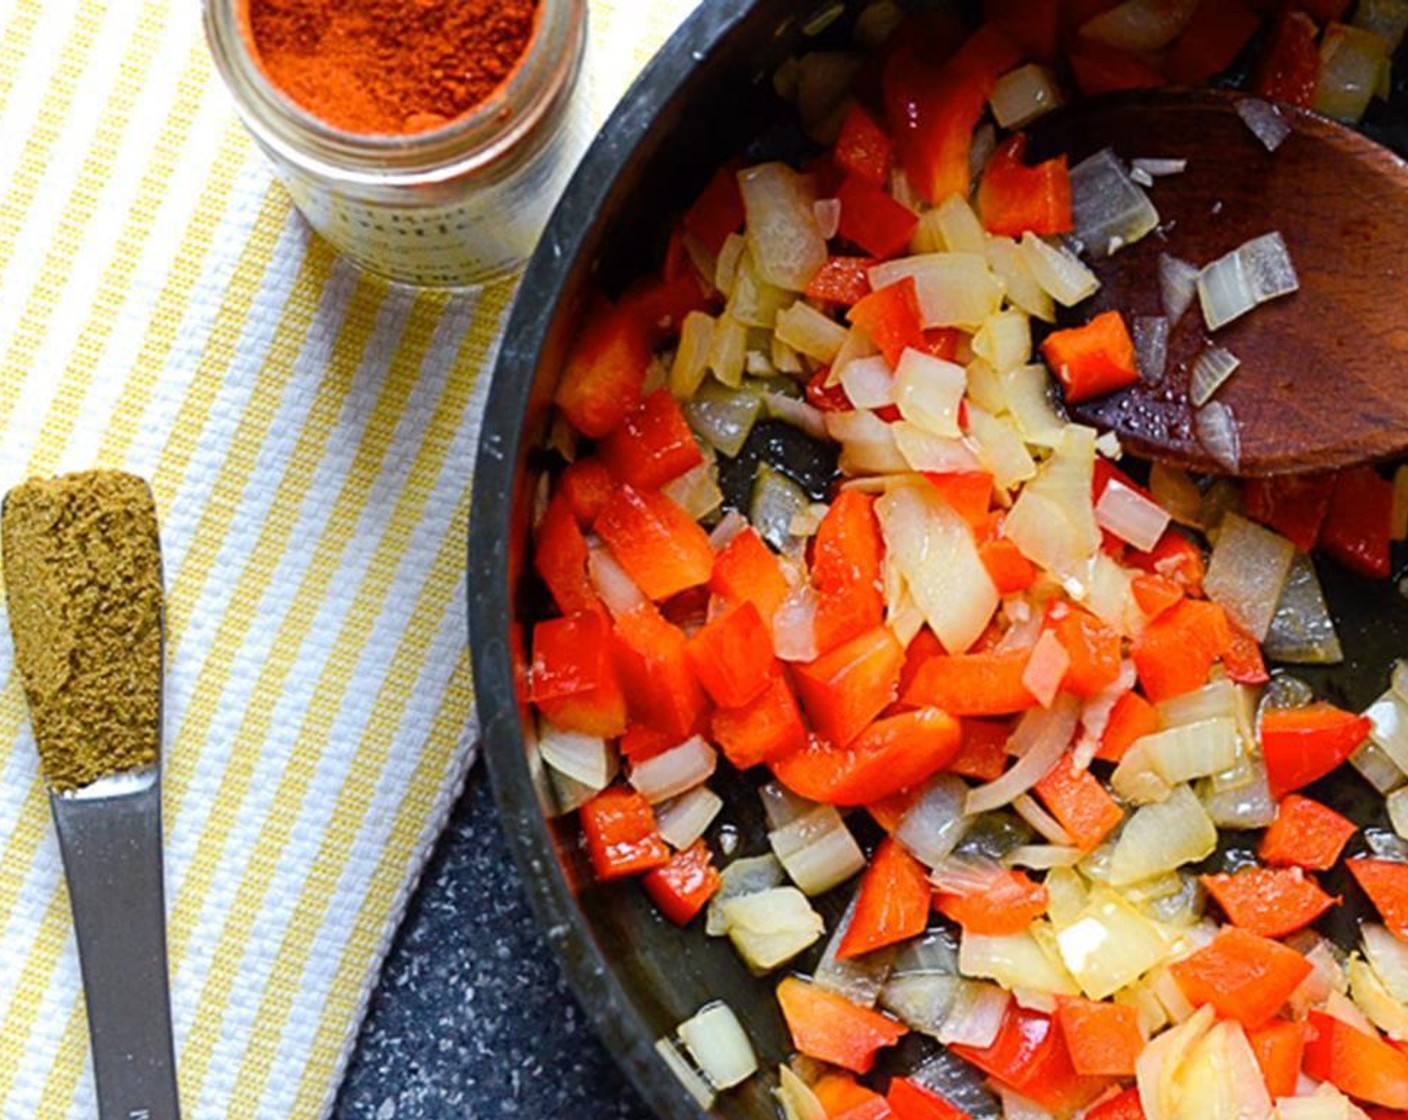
x: 461, y: 204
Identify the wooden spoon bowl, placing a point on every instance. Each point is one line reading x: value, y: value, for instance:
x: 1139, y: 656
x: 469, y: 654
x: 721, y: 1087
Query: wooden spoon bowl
x: 1323, y: 380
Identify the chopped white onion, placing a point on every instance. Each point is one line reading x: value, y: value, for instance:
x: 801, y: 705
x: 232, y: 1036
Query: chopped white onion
x: 933, y: 548
x: 924, y: 451
x: 1023, y: 94
x: 1160, y: 1062
x: 691, y: 361
x: 1192, y: 750
x: 935, y: 823
x: 1000, y: 447
x: 1046, y: 668
x: 1389, y: 958
x: 1373, y: 998
x: 817, y: 850
x: 1053, y: 520
x: 587, y: 759
x: 723, y: 416
x: 617, y: 590
x: 716, y: 1041
x: 694, y: 1084
x: 1216, y: 427
x: 684, y: 819
x: 1108, y: 944
x: 1267, y: 263
x: 1043, y: 857
x: 1131, y: 516
x: 1388, y: 19
x: 1005, y: 340
x: 674, y: 771
x: 1247, y: 572
x: 859, y: 979
x: 775, y: 502
x: 929, y: 391
x: 828, y: 216
x: 783, y: 235
x: 794, y: 626
x: 867, y: 443
x: 1178, y: 284
x: 1255, y: 272
x: 1108, y: 208
x: 1162, y: 837
x: 1158, y: 168
x: 1140, y: 25
x: 769, y: 928
x: 809, y: 332
x: 1265, y: 121
x: 958, y: 226
x: 751, y: 875
x: 796, y: 1097
x: 1042, y: 736
x: 869, y: 382
x: 976, y: 1016
x: 954, y: 289
x: 1211, y: 368
x: 1047, y: 827
x: 1352, y: 64
x: 796, y: 412
x: 1009, y: 264
x: 1245, y: 806
x: 1151, y: 347
x: 1302, y: 630
x: 1059, y: 271
x: 1014, y: 960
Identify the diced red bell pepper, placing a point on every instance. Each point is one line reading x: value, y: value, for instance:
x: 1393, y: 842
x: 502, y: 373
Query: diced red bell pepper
x: 1175, y: 557
x: 1078, y: 801
x: 560, y: 555
x: 1305, y: 834
x: 641, y: 742
x: 586, y: 485
x: 1279, y: 1048
x: 892, y: 902
x: 605, y: 370
x: 1030, y: 1056
x: 651, y: 656
x: 922, y: 646
x: 717, y: 212
x: 1131, y: 718
x: 653, y: 444
x: 973, y: 684
x: 892, y: 754
x: 732, y: 656
x: 1155, y: 594
x: 1242, y: 658
x: 983, y: 755
x: 848, y: 547
x: 661, y: 547
x: 1014, y: 198
x: 1272, y: 902
x: 574, y: 679
x: 872, y: 219
x: 1007, y: 567
x: 1122, y: 1106
x: 830, y: 1028
x: 1294, y: 505
x: 827, y: 398
x: 1093, y: 647
x: 1360, y: 1065
x: 1210, y: 42
x: 891, y: 318
x: 1006, y: 904
x: 967, y: 493
x: 842, y: 280
x: 863, y: 148
x: 767, y: 728
x: 1290, y: 62
x: 1092, y: 360
x: 1300, y: 745
x: 621, y: 834
x: 1176, y: 650
x: 747, y: 571
x: 1034, y: 25
x: 1243, y: 976
x: 1357, y: 527
x: 681, y: 887
x: 843, y: 615
x: 910, y: 1100
x: 1103, y: 1038
x: 842, y: 1097
x: 1386, y: 884
x: 1103, y: 69
x: 661, y: 304
x: 933, y: 110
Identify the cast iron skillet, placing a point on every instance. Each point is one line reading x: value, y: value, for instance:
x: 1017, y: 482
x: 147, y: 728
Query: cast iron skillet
x: 704, y: 97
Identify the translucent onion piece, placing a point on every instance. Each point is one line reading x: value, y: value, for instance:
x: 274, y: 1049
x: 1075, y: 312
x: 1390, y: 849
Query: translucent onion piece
x: 954, y: 289
x: 776, y: 501
x: 976, y: 1016
x: 1140, y: 25
x: 751, y: 875
x: 1388, y: 716
x: 1046, y: 668
x: 921, y: 1000
x: 1043, y: 734
x: 1151, y: 347
x: 587, y: 759
x: 1004, y: 341
x: 723, y: 417
x: 1224, y: 291
x: 1053, y: 519
x: 730, y: 525
x: 1158, y: 1066
x: 694, y: 1084
x: 781, y: 806
x: 1014, y: 961
x: 924, y: 451
x: 1162, y: 837
x: 1247, y: 573
x: 859, y: 979
x: 933, y: 548
x: 1109, y: 209
x: 1302, y: 631
x: 610, y: 581
x: 1043, y: 857
x: 1157, y: 168
x: 1000, y: 447
x: 1267, y: 262
x: 1023, y: 94
x: 684, y: 819
x: 1397, y: 805
x: 798, y: 413
x: 1352, y: 63
x: 1220, y: 1078
x: 869, y: 382
x: 1178, y: 284
x: 794, y: 627
x: 716, y: 1041
x: 697, y: 490
x: 959, y: 226
x: 928, y: 392
x: 1109, y: 945
x: 1388, y: 19
x: 1046, y: 826
x: 1388, y: 956
x: 1008, y: 263
x: 1216, y: 428
x: 1249, y: 805
x: 1130, y: 516
x: 1381, y: 1009
x: 1059, y: 271
x: 857, y: 345
x: 730, y: 258
x: 934, y: 824
x: 795, y: 1097
x: 728, y: 350
x: 673, y: 771
x: 1265, y: 121
x: 1192, y: 750
x: 1028, y: 395
x: 783, y: 235
x: 1375, y: 766
x: 867, y: 443
x: 817, y: 850
x: 771, y: 927
x: 1211, y: 368
x: 828, y: 216
x: 755, y: 302
x: 691, y: 355
x: 809, y: 332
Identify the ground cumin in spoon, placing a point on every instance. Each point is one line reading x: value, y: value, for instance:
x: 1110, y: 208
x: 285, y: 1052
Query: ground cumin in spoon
x: 83, y: 585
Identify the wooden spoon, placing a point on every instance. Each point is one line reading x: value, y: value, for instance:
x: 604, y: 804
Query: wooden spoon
x: 1323, y: 380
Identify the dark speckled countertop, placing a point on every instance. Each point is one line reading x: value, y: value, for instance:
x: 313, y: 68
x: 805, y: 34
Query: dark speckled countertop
x: 472, y: 1019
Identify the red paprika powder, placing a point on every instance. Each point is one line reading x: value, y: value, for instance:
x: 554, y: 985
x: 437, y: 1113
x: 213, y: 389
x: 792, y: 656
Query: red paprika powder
x: 394, y: 67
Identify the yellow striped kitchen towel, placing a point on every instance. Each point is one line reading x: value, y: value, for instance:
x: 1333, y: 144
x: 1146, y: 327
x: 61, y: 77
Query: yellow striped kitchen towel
x: 308, y: 432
